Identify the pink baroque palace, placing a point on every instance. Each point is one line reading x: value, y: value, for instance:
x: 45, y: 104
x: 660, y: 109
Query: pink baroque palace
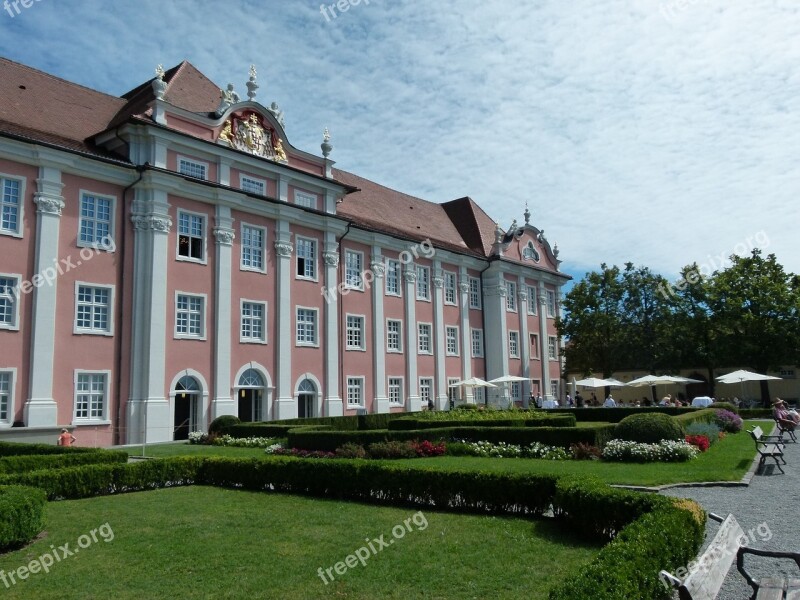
x: 168, y: 256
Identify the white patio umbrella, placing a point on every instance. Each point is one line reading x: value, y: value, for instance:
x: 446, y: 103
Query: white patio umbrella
x: 615, y: 382
x: 743, y: 375
x: 505, y: 380
x: 597, y: 383
x: 473, y: 382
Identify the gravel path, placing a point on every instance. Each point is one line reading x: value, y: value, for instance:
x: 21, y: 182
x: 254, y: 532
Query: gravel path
x: 766, y: 510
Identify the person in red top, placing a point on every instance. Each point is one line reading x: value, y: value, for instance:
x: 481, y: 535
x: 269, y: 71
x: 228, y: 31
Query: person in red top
x: 785, y: 417
x: 66, y: 438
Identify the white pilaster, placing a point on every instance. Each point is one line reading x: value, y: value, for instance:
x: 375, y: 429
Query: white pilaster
x: 413, y: 403
x: 496, y: 334
x: 224, y: 171
x: 333, y: 402
x: 223, y: 403
x: 285, y: 407
x: 525, y: 343
x: 466, y: 335
x: 148, y: 414
x: 543, y: 352
x: 283, y: 188
x: 440, y: 346
x: 41, y: 409
x: 378, y: 332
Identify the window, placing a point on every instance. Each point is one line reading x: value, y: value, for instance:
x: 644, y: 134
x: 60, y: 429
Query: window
x: 189, y: 316
x: 516, y: 390
x: 93, y: 309
x: 306, y: 327
x: 253, y: 243
x: 9, y: 306
x: 252, y: 185
x: 394, y: 337
x: 253, y: 328
x: 355, y: 391
x: 474, y: 292
x: 787, y: 374
x: 305, y: 199
x: 511, y: 296
x: 395, y: 390
x: 533, y: 300
x: 477, y: 343
x: 554, y: 388
x: 424, y: 338
x: 95, y: 221
x: 534, y: 345
x: 90, y: 396
x: 453, y: 391
x: 353, y: 265
x: 423, y: 283
x: 355, y: 332
x: 192, y: 168
x: 425, y: 390
x: 191, y: 236
x: 551, y: 304
x: 513, y: 344
x: 393, y: 278
x: 6, y: 416
x: 451, y: 337
x: 10, y: 206
x: 552, y: 347
x: 306, y: 258
x: 477, y: 395
x: 449, y: 288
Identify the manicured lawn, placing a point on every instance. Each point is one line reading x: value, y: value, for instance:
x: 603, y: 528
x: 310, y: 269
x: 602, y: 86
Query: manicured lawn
x: 204, y: 542
x: 163, y: 450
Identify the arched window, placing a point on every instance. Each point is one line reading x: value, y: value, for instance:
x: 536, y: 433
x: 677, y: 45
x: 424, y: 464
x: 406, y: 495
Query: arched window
x: 251, y: 379
x: 307, y: 387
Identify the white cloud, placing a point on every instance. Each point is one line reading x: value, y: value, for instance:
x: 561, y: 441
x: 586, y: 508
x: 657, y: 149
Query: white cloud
x: 636, y: 131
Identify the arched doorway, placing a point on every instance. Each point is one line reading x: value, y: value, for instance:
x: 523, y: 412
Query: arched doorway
x: 251, y: 393
x: 187, y: 407
x: 306, y: 399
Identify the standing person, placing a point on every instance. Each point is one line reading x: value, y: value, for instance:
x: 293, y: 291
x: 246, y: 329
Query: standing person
x: 430, y: 403
x: 593, y: 400
x: 579, y: 400
x: 569, y: 401
x: 66, y: 438
x: 538, y: 401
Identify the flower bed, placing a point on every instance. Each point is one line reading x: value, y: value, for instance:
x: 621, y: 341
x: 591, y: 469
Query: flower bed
x: 663, y: 451
x: 503, y: 450
x: 198, y: 437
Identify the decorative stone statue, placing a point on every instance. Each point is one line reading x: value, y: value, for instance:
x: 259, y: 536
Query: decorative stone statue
x: 326, y: 143
x: 228, y: 97
x: 280, y: 153
x: 275, y: 110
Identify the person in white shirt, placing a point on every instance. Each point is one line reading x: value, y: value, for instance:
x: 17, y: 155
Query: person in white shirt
x: 610, y: 403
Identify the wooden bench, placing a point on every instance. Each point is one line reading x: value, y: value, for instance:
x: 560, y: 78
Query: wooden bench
x: 705, y: 575
x: 783, y: 428
x: 768, y: 446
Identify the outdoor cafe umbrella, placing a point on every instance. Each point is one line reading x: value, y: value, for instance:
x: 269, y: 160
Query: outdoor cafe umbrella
x: 505, y: 379
x: 597, y: 383
x: 742, y: 375
x: 473, y: 382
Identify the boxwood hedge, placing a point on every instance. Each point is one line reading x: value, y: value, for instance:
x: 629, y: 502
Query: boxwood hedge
x: 19, y: 449
x: 33, y: 462
x: 21, y: 515
x: 500, y: 421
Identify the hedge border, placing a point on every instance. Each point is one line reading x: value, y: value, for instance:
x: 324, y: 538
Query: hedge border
x: 33, y: 462
x: 406, y: 423
x: 20, y: 449
x: 21, y: 515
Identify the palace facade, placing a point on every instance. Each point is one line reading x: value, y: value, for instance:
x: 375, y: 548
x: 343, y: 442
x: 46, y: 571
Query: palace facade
x: 168, y: 256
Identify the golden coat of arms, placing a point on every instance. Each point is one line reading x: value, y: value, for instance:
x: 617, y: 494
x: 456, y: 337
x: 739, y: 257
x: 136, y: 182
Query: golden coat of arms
x: 248, y: 134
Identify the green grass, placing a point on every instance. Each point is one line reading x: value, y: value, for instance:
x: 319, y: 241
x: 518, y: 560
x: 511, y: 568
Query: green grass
x: 203, y: 542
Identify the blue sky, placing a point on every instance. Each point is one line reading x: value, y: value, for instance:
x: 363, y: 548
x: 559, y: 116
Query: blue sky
x: 653, y: 131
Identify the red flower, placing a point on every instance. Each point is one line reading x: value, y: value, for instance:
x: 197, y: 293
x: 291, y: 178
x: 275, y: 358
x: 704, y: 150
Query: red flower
x: 701, y: 441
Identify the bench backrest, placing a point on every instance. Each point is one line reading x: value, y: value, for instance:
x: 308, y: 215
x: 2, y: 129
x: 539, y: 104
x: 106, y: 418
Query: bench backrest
x: 757, y: 433
x: 706, y: 580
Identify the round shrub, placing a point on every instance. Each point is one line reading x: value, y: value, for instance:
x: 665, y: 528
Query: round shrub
x: 222, y: 422
x: 648, y: 428
x: 728, y: 421
x: 21, y: 515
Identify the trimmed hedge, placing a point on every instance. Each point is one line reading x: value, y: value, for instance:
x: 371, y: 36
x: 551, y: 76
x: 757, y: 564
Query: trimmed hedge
x: 20, y: 449
x: 615, y: 415
x: 268, y: 429
x: 329, y: 441
x: 705, y: 415
x: 21, y: 515
x: 537, y: 421
x: 34, y: 462
x: 755, y: 413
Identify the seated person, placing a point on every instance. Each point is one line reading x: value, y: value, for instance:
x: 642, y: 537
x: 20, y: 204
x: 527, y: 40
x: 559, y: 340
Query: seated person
x: 610, y: 402
x: 666, y: 401
x: 787, y: 418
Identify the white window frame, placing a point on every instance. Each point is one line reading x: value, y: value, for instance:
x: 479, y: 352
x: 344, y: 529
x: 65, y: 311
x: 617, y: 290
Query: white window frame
x: 253, y: 340
x: 355, y: 382
x: 475, y: 293
x: 533, y: 300
x: 10, y: 409
x: 423, y: 283
x: 455, y: 339
x: 552, y: 347
x: 511, y: 296
x: 90, y: 420
x: 551, y: 304
x: 178, y: 256
x: 305, y: 199
x: 347, y: 272
x: 513, y: 344
x: 245, y: 180
x: 99, y: 244
x: 450, y: 288
x: 533, y: 338
x: 203, y: 316
x: 453, y: 391
x: 478, y: 395
x: 20, y: 205
x: 193, y: 162
x: 15, y: 296
x: 477, y: 339
x: 263, y: 249
x: 304, y: 343
x: 313, y: 259
x: 554, y: 387
x: 423, y: 383
x: 400, y: 385
x: 109, y: 331
x: 397, y: 275
x: 516, y: 390
x: 429, y: 327
x: 360, y: 321
x: 399, y: 349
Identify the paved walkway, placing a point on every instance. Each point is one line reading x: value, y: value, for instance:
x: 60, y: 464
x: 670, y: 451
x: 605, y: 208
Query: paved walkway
x: 767, y: 507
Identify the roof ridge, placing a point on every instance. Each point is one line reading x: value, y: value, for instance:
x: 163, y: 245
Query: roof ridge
x: 57, y: 78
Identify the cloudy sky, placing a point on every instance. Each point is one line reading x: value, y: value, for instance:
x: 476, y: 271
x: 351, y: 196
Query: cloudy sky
x: 657, y: 132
